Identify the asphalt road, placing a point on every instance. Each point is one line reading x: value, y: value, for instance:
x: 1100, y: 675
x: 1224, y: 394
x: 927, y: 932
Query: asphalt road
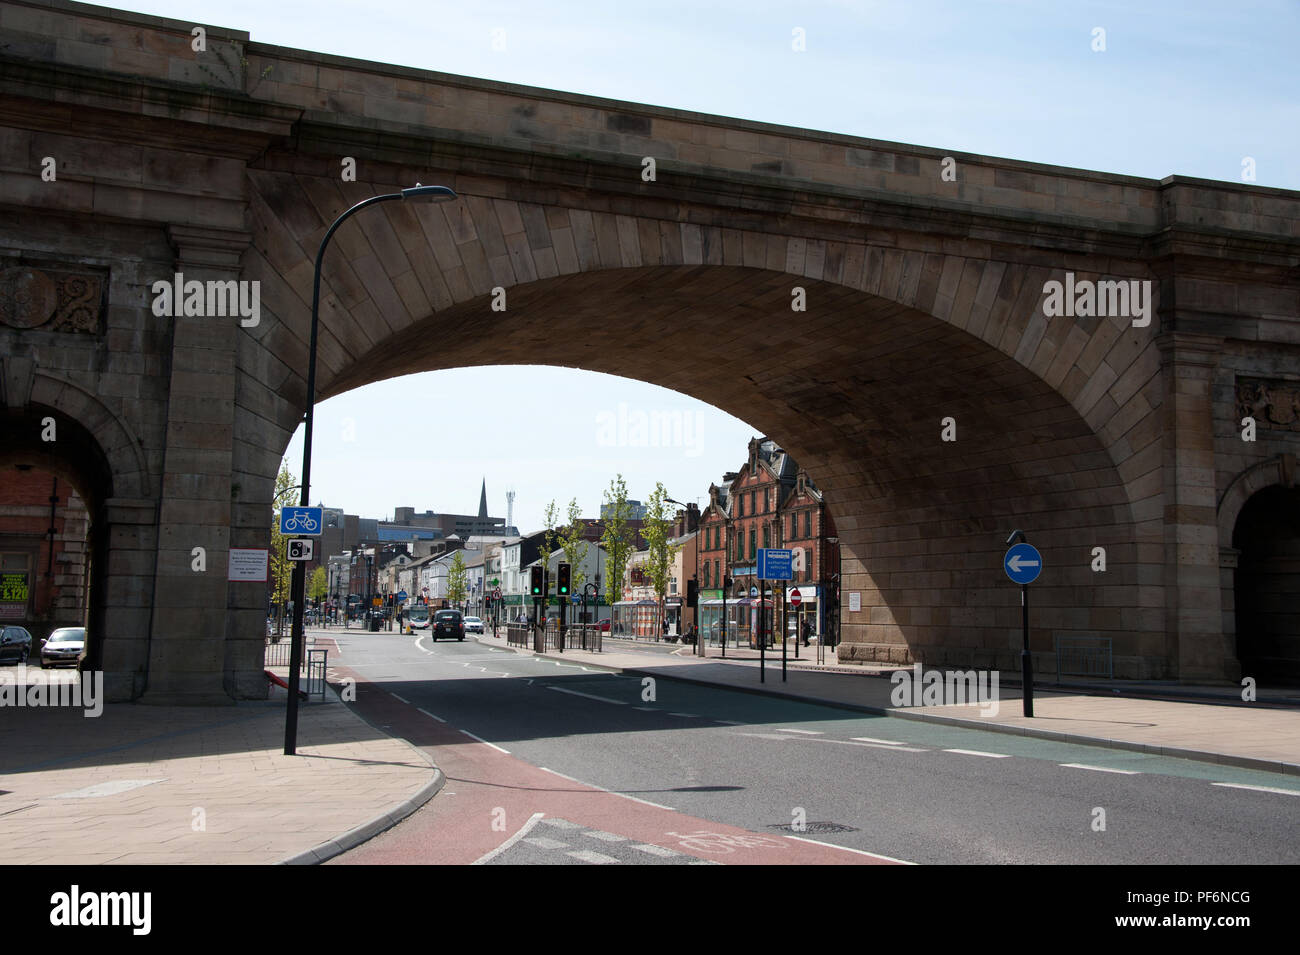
x: 554, y: 763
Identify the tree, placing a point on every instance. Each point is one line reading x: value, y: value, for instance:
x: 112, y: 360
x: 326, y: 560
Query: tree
x: 656, y: 530
x: 281, y: 567
x: 550, y: 540
x: 575, y: 546
x: 616, y: 537
x: 317, y: 587
x: 457, y: 584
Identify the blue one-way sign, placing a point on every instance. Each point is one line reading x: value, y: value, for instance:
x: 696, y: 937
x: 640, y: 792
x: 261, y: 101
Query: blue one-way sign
x: 1023, y: 563
x: 303, y: 521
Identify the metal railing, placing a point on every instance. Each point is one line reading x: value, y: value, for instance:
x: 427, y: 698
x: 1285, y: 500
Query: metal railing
x: 313, y: 665
x: 578, y: 636
x: 1084, y: 656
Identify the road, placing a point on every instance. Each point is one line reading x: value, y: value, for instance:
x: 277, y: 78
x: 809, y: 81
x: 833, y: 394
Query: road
x: 549, y: 762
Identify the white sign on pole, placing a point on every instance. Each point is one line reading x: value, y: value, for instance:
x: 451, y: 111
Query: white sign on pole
x: 855, y: 602
x: 247, y: 564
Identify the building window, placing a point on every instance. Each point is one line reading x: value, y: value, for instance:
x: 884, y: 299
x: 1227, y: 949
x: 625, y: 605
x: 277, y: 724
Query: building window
x: 753, y: 502
x: 794, y: 519
x: 767, y: 535
x: 740, y: 504
x: 807, y: 524
x: 753, y: 542
x: 740, y: 544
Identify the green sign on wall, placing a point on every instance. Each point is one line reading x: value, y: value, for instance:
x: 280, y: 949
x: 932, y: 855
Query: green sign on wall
x: 13, y: 588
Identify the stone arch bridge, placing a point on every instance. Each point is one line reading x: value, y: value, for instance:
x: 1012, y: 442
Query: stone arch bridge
x: 924, y: 301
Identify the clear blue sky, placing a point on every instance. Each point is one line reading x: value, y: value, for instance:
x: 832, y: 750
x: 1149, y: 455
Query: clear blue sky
x: 1183, y: 87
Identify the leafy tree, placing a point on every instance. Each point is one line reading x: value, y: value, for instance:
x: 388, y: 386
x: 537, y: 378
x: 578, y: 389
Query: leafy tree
x: 550, y: 541
x: 317, y: 587
x: 281, y: 567
x: 575, y: 546
x: 656, y: 531
x: 617, y: 537
x: 457, y: 583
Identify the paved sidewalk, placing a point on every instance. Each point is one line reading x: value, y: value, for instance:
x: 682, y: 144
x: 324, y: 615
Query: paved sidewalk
x: 1265, y: 737
x: 177, y: 785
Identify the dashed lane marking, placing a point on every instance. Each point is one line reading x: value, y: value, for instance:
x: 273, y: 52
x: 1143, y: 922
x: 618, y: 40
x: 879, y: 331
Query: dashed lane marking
x: 590, y: 696
x: 396, y: 697
x: 1261, y: 789
x: 605, y: 836
x: 1102, y: 769
x: 432, y: 715
x: 882, y: 742
x: 543, y: 842
x: 523, y: 831
x: 485, y: 742
x: 659, y: 851
x: 595, y: 858
x: 976, y: 752
x: 802, y: 732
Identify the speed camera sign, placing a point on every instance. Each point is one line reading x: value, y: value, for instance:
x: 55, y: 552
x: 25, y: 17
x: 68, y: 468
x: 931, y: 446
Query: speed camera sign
x: 299, y: 550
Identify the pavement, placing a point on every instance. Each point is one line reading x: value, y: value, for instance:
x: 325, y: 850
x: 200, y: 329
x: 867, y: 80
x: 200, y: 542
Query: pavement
x: 144, y: 784
x: 149, y: 784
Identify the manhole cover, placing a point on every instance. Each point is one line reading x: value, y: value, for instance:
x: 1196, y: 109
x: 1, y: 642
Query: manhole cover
x: 813, y: 827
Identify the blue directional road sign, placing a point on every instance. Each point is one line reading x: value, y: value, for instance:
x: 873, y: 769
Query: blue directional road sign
x: 575, y: 598
x: 775, y: 563
x: 1023, y: 563
x: 401, y: 596
x: 303, y: 521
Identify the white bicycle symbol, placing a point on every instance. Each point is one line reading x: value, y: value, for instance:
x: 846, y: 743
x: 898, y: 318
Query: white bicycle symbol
x: 722, y: 842
x: 297, y: 521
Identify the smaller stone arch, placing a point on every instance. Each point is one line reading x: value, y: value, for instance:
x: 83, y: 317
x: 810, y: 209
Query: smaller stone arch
x: 1280, y: 470
x: 115, y: 438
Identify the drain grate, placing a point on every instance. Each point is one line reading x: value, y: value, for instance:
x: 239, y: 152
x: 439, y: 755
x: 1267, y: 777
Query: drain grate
x: 813, y: 827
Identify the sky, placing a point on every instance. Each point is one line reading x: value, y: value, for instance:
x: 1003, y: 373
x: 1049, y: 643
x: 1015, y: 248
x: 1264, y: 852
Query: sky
x: 1181, y: 87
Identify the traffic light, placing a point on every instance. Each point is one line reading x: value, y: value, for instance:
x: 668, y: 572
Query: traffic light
x: 562, y: 574
x: 536, y: 587
x: 692, y: 593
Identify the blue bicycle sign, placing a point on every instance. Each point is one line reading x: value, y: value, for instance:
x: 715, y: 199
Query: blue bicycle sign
x: 305, y: 521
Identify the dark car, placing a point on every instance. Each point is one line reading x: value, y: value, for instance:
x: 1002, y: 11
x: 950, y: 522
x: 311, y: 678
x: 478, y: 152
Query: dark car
x: 15, y: 644
x: 448, y: 623
x: 63, y: 647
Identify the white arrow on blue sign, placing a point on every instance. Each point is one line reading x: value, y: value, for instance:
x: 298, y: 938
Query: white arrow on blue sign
x: 303, y: 521
x: 1023, y: 563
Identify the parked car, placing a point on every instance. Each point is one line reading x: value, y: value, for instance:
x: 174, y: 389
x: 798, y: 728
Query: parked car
x: 448, y: 623
x: 15, y: 644
x: 473, y: 625
x: 63, y: 647
x: 604, y: 626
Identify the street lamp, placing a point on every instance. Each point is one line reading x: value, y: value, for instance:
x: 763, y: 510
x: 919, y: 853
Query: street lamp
x: 417, y: 193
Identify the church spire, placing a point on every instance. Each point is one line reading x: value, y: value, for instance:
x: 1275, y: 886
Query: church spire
x: 482, y: 500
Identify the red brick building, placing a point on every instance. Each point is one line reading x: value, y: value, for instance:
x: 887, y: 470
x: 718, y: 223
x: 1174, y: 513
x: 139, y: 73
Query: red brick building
x: 43, y: 553
x: 769, y: 502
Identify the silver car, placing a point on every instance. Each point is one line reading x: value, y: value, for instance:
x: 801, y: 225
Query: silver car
x: 473, y: 625
x: 63, y: 647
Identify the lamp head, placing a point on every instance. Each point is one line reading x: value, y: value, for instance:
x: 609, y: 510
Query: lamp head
x: 428, y: 193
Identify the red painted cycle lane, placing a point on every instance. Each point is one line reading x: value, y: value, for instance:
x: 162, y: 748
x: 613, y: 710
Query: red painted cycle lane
x: 490, y: 795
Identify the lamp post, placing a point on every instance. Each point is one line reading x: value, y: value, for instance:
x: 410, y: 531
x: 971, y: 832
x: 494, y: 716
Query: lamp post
x: 416, y: 192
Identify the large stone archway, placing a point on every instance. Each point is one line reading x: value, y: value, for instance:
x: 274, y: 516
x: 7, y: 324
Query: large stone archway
x: 924, y: 302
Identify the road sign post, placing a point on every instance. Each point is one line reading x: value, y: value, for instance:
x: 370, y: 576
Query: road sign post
x: 1023, y: 563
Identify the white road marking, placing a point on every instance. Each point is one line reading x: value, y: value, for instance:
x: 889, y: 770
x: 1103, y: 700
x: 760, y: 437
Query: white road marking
x: 605, y: 836
x: 644, y: 802
x: 976, y: 752
x: 485, y: 742
x: 688, y: 716
x: 543, y: 842
x: 595, y: 858
x: 802, y: 732
x: 564, y: 824
x: 396, y: 697
x: 1261, y: 789
x: 434, y: 716
x: 647, y: 709
x: 861, y: 852
x: 1102, y: 769
x: 590, y: 696
x: 882, y: 742
x: 523, y: 831
x: 730, y: 722
x: 659, y: 851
